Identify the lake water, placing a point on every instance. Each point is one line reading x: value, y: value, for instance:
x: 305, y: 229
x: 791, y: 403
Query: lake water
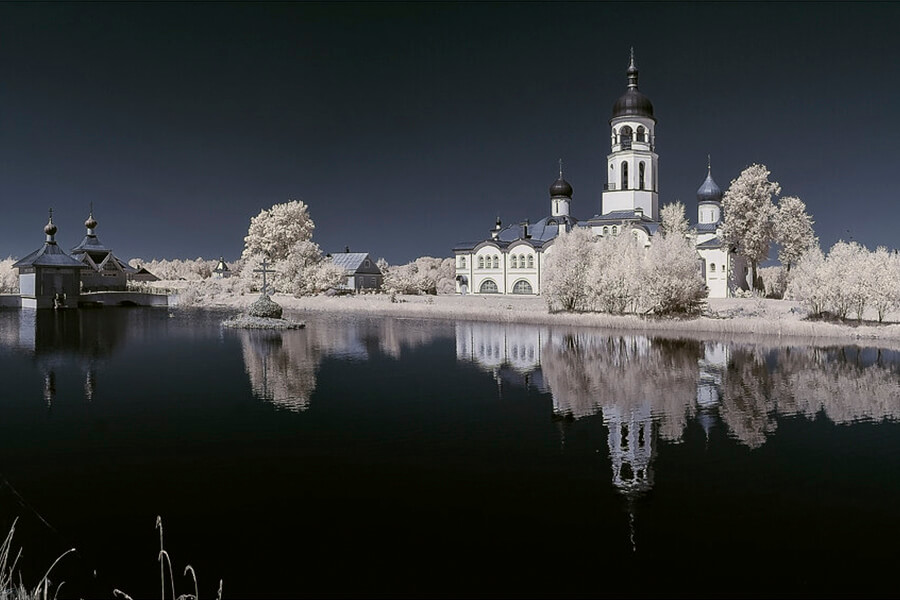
x: 376, y: 457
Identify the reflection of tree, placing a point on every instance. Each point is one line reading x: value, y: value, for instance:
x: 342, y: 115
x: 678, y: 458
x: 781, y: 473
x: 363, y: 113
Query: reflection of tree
x: 746, y: 398
x: 796, y: 381
x: 282, y: 365
x: 836, y: 384
x: 587, y: 372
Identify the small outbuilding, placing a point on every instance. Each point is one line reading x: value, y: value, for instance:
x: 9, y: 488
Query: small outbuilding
x: 142, y: 274
x: 222, y: 271
x: 48, y: 277
x: 360, y: 271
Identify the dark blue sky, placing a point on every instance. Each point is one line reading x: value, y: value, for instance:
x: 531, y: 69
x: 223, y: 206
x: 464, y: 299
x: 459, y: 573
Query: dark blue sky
x: 407, y: 127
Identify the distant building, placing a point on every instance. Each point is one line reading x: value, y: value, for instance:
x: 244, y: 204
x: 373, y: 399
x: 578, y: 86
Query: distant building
x: 48, y: 277
x: 142, y: 274
x: 106, y: 272
x: 221, y: 271
x: 360, y: 271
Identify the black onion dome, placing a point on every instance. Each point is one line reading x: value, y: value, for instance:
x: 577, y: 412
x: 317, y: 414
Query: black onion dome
x: 561, y: 187
x: 709, y: 191
x: 91, y: 222
x: 632, y: 102
x: 50, y: 228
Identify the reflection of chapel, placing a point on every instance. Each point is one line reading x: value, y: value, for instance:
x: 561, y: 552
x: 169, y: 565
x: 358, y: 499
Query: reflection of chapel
x: 510, y: 261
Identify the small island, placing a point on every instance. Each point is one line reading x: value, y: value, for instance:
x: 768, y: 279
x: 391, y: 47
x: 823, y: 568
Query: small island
x: 264, y: 313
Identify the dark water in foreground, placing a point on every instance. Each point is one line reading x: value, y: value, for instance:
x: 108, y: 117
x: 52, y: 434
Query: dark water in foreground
x: 403, y: 457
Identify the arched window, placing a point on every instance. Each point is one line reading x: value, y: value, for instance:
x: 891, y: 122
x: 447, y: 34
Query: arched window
x: 462, y: 262
x: 496, y: 262
x: 624, y: 175
x: 605, y: 230
x: 530, y: 261
x: 480, y: 262
x: 615, y: 230
x: 522, y: 260
x: 641, y: 176
x: 640, y: 134
x: 489, y: 287
x: 522, y: 287
x: 625, y: 137
x: 515, y: 262
x: 712, y: 267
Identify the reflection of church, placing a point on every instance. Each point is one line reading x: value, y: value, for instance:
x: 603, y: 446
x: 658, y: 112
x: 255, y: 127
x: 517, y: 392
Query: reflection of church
x: 59, y: 340
x: 712, y: 367
x: 510, y: 354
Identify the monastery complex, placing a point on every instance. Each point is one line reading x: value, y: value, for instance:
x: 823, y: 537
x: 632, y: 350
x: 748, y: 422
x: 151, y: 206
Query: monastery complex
x: 511, y: 259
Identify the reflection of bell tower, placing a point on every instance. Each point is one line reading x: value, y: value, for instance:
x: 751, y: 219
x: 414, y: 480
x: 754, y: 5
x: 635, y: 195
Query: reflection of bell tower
x: 630, y: 447
x: 631, y: 452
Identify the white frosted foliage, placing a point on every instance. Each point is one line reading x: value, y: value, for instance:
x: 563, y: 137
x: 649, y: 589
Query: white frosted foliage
x: 750, y: 214
x: 793, y: 230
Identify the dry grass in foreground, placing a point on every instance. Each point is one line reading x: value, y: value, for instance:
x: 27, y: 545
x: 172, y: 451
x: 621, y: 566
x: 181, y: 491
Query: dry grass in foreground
x: 164, y: 561
x: 10, y: 589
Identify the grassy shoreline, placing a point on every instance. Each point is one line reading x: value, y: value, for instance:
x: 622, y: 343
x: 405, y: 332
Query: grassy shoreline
x: 736, y: 318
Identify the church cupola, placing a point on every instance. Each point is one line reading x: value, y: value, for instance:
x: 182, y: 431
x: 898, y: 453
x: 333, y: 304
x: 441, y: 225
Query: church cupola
x: 709, y: 199
x: 631, y: 174
x: 91, y: 223
x: 560, y: 195
x: 632, y: 102
x: 50, y: 229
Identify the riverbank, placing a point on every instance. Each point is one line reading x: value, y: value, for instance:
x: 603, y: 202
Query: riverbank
x: 731, y: 317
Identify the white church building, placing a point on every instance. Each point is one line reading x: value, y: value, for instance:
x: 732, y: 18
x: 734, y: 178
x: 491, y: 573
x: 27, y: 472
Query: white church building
x: 511, y: 259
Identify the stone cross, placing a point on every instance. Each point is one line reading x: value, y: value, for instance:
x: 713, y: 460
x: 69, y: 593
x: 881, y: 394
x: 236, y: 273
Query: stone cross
x: 264, y: 270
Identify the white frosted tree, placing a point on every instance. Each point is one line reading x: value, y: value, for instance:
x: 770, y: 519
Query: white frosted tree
x: 305, y: 272
x: 9, y: 277
x: 750, y: 215
x: 884, y: 267
x: 672, y: 219
x: 807, y: 283
x: 793, y: 230
x: 425, y: 275
x: 565, y: 270
x: 672, y: 282
x: 846, y: 280
x: 274, y: 231
x: 614, y: 275
x: 282, y: 235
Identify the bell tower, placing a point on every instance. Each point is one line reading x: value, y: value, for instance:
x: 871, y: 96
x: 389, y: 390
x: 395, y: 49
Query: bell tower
x: 631, y: 172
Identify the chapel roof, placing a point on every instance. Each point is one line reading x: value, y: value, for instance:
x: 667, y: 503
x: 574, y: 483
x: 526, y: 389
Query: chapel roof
x: 50, y: 254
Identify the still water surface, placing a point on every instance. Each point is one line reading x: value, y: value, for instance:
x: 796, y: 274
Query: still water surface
x: 390, y: 456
